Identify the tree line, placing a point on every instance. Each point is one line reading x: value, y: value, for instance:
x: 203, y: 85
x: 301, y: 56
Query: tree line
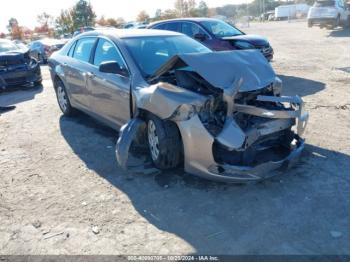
x: 82, y: 14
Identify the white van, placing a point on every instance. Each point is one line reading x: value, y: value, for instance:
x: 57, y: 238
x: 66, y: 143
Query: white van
x: 331, y: 13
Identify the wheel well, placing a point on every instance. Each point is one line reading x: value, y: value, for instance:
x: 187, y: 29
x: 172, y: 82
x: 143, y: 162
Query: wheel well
x: 143, y: 114
x: 56, y: 80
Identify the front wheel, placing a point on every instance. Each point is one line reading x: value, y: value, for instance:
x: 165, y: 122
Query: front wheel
x: 164, y: 143
x: 347, y: 23
x: 336, y: 23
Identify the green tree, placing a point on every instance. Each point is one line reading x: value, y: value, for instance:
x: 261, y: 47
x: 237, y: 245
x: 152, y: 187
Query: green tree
x: 158, y: 14
x: 181, y: 8
x: 83, y: 14
x: 15, y: 30
x: 203, y: 9
x: 44, y: 19
x: 13, y: 22
x: 64, y: 22
x: 169, y: 14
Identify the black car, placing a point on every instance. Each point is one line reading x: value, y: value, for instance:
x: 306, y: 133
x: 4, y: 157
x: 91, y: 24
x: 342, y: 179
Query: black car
x: 42, y: 49
x: 216, y: 34
x: 17, y: 68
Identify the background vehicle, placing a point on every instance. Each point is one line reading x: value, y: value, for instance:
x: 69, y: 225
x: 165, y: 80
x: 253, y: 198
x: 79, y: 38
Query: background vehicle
x: 135, y: 25
x: 284, y: 12
x: 330, y: 13
x: 176, y: 95
x: 21, y: 45
x: 82, y: 30
x: 267, y: 16
x: 17, y: 68
x: 216, y: 34
x: 42, y: 49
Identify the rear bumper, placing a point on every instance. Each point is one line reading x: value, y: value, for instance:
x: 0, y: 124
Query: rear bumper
x: 24, y: 77
x: 322, y: 21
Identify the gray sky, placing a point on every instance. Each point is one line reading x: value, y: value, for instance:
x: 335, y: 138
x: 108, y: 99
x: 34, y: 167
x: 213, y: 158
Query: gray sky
x: 26, y: 11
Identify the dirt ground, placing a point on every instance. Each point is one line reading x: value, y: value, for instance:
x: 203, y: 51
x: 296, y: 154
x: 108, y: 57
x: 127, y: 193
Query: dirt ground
x: 61, y: 191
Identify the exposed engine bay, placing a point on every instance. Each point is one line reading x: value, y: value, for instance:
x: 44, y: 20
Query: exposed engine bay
x: 234, y: 124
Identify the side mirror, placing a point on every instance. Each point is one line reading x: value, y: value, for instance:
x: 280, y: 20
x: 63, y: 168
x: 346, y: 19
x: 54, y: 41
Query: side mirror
x: 200, y: 37
x: 112, y: 67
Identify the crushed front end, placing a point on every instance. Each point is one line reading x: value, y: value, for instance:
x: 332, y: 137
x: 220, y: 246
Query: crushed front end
x: 18, y: 69
x: 261, y: 134
x: 235, y: 126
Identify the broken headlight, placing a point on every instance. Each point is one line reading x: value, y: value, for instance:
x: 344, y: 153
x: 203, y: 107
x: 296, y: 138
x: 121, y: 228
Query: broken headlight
x: 32, y: 62
x: 277, y: 86
x: 184, y: 112
x: 213, y: 114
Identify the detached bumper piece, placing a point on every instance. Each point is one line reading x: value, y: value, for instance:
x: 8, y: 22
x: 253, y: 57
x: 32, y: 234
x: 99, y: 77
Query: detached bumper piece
x: 267, y: 139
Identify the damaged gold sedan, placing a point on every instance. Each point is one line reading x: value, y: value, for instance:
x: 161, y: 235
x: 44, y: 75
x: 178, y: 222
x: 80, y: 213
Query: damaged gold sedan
x: 220, y: 114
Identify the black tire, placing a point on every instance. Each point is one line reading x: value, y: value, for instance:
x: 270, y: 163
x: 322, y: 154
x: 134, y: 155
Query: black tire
x: 309, y: 24
x: 66, y: 108
x: 347, y: 23
x: 336, y: 23
x: 40, y: 58
x: 169, y: 143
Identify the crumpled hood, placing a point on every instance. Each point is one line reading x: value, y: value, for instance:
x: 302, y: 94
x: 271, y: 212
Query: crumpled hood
x: 253, y: 39
x: 222, y: 69
x: 14, y: 57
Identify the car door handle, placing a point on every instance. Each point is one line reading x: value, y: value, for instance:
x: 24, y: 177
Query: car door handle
x: 90, y: 74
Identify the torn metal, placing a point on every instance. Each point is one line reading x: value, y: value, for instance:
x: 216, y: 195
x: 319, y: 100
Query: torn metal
x: 234, y: 124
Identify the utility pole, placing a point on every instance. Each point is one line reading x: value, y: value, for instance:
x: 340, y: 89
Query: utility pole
x: 264, y: 6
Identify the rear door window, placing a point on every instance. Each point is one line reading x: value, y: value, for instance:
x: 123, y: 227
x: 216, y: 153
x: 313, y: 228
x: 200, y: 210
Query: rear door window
x: 83, y: 48
x: 191, y: 29
x: 324, y: 3
x: 159, y: 27
x: 173, y: 27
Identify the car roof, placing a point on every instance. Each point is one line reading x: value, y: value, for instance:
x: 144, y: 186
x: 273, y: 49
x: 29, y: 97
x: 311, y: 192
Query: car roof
x: 188, y: 19
x: 128, y: 33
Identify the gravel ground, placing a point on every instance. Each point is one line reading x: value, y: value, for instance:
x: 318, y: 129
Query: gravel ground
x: 61, y: 191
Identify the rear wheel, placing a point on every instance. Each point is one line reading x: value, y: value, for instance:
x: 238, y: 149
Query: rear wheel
x: 164, y: 143
x: 63, y: 100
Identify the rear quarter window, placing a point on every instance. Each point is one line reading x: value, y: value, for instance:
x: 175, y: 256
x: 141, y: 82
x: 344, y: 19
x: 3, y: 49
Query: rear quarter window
x: 71, y: 49
x: 83, y: 48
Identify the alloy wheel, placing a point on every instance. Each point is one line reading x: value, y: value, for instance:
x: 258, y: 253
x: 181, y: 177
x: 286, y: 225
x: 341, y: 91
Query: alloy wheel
x: 153, y: 140
x: 62, y: 98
